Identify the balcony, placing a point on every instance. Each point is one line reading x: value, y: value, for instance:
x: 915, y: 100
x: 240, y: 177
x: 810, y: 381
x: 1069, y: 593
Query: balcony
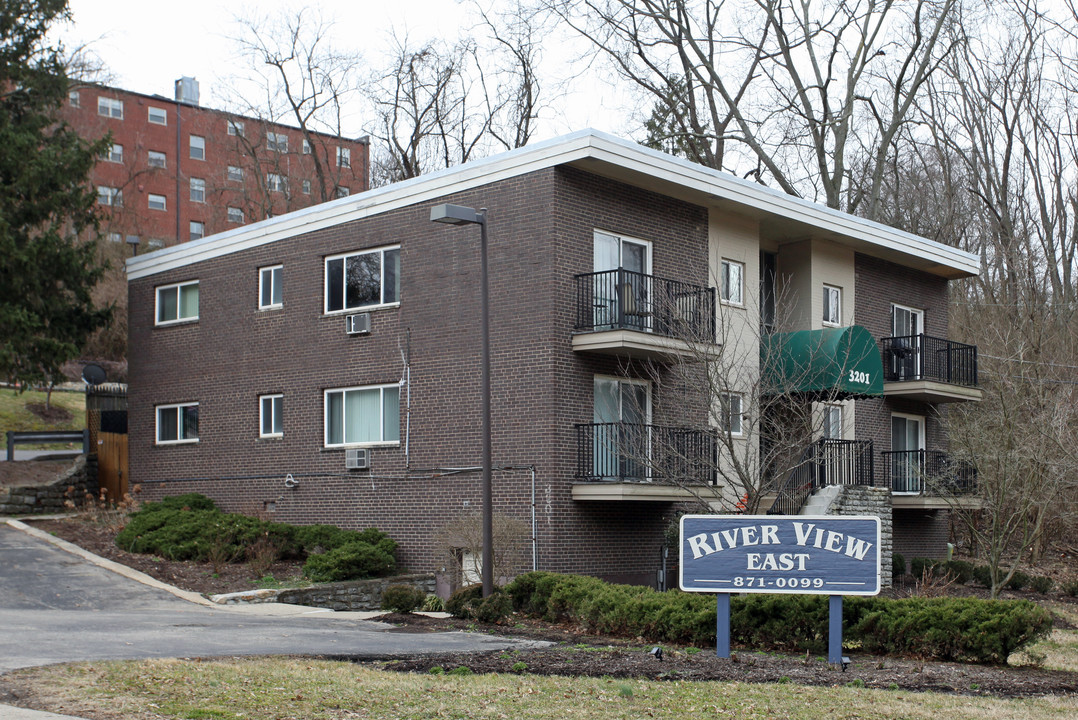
x: 926, y: 478
x: 929, y: 369
x: 633, y: 315
x: 629, y: 461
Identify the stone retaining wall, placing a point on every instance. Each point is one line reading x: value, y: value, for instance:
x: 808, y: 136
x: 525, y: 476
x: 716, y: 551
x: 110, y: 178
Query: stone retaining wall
x: 865, y: 500
x: 353, y: 595
x: 73, y: 484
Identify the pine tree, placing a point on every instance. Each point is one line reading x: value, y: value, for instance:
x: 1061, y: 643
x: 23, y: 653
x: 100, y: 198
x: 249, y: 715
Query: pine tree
x: 46, y: 203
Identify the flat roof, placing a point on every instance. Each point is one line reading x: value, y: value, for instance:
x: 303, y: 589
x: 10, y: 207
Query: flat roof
x: 782, y: 217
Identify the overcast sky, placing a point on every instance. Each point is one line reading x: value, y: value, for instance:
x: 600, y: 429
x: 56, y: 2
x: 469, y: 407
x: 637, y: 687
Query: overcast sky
x: 148, y: 45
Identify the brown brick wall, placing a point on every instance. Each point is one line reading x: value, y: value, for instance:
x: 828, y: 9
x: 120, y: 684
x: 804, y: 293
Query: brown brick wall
x: 541, y: 228
x: 921, y: 533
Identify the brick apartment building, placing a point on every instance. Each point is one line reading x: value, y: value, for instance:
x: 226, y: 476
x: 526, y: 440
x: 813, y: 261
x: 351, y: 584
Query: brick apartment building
x: 177, y: 171
x: 262, y: 359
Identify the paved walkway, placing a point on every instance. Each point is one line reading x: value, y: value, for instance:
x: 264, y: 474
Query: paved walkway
x: 59, y: 603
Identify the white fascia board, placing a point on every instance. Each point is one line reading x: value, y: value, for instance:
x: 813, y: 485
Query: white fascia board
x: 583, y: 144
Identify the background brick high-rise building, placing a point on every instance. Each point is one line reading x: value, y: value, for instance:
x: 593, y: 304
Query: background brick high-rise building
x: 177, y: 171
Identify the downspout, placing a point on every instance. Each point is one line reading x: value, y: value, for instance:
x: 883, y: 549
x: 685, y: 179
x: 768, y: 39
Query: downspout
x: 179, y: 135
x: 535, y: 537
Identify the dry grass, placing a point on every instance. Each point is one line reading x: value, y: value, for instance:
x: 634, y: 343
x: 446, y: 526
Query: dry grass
x: 1058, y: 651
x: 285, y: 689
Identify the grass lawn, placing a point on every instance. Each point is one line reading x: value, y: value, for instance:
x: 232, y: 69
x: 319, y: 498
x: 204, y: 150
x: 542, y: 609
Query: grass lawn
x: 1058, y: 651
x: 14, y: 414
x: 312, y: 689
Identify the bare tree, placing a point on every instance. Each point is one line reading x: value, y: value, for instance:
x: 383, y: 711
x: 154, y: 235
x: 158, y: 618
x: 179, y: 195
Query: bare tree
x: 782, y: 90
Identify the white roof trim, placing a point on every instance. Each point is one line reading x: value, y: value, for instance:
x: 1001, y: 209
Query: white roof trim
x: 584, y: 144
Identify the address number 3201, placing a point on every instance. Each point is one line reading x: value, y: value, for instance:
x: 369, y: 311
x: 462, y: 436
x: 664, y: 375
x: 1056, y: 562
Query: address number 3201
x: 856, y: 376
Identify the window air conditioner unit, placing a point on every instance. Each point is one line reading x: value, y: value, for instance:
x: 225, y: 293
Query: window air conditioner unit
x: 357, y: 324
x: 357, y: 459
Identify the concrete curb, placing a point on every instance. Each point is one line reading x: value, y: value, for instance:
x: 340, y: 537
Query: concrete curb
x: 115, y: 567
x: 10, y: 712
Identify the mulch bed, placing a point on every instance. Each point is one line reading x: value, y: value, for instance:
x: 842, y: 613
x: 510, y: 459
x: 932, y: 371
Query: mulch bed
x: 577, y: 653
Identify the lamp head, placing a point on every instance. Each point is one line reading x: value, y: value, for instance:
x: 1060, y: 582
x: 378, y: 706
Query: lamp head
x: 456, y: 215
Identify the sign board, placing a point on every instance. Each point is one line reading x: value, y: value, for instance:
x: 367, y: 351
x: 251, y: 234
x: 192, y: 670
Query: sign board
x: 804, y: 554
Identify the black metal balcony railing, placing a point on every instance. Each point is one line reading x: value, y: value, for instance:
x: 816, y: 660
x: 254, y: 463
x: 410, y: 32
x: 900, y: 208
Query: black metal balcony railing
x: 824, y: 462
x: 626, y: 300
x: 922, y: 357
x: 631, y: 452
x: 928, y: 472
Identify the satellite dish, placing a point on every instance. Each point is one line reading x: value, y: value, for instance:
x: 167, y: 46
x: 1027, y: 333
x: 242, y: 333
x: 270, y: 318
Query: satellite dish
x: 93, y: 374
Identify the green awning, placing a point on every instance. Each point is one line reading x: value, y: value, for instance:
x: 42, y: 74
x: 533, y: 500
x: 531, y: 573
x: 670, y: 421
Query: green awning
x: 833, y: 362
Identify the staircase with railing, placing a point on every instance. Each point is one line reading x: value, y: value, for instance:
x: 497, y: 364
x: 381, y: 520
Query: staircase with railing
x: 824, y: 462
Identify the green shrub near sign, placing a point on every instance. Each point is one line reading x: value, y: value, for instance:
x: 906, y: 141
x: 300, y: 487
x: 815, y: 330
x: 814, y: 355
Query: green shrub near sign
x: 965, y: 629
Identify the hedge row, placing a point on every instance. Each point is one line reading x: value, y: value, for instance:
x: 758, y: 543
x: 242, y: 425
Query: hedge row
x: 963, y: 629
x: 190, y: 527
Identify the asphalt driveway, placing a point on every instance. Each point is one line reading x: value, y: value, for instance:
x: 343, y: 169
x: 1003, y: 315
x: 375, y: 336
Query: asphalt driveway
x: 58, y: 607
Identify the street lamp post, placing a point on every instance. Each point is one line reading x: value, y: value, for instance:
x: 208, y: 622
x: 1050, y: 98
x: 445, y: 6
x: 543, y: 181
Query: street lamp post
x: 458, y: 215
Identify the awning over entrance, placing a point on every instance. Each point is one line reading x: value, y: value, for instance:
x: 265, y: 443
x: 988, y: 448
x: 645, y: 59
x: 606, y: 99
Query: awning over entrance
x: 833, y: 362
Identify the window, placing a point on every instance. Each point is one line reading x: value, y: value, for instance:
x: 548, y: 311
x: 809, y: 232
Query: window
x: 198, y: 230
x: 343, y: 191
x: 234, y: 174
x: 114, y: 153
x: 275, y: 183
x: 198, y: 148
x: 832, y: 305
x: 198, y: 190
x: 344, y: 157
x: 276, y: 142
x: 363, y: 415
x: 116, y: 237
x: 155, y: 243
x: 73, y: 98
x: 235, y: 215
x: 177, y: 423
x: 109, y: 107
x: 832, y: 422
x: 731, y: 413
x: 271, y: 410
x: 156, y: 159
x: 306, y: 187
x: 731, y: 290
x: 270, y: 291
x: 176, y: 303
x: 157, y: 116
x: 306, y: 147
x: 363, y: 279
x: 156, y: 202
x: 235, y: 127
x: 109, y: 196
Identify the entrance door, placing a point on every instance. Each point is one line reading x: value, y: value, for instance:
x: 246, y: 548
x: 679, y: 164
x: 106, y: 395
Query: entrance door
x: 620, y: 446
x: 907, y: 453
x: 907, y: 326
x: 621, y: 285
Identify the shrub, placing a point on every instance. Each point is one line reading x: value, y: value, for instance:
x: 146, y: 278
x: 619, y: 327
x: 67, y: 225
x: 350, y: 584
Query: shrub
x: 190, y: 501
x: 919, y: 567
x: 960, y: 570
x: 459, y: 603
x: 983, y: 575
x: 352, y: 561
x: 1070, y: 588
x: 1041, y: 584
x: 493, y: 609
x: 402, y: 598
x: 898, y: 566
x: 1018, y: 581
x: 433, y: 603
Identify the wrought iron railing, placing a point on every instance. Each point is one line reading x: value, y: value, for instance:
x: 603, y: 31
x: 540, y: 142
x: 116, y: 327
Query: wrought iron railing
x: 928, y: 472
x: 824, y: 462
x: 626, y: 300
x: 922, y: 357
x: 631, y: 452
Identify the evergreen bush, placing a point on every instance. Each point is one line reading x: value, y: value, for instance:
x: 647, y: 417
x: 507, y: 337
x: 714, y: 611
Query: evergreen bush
x: 898, y: 566
x: 352, y: 561
x: 1018, y: 580
x: 1041, y: 583
x: 402, y: 598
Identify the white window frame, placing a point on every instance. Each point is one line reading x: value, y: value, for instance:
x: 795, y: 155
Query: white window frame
x: 110, y: 196
x: 235, y: 215
x: 344, y: 419
x: 277, y: 142
x: 727, y: 286
x: 156, y: 244
x: 197, y: 229
x: 198, y: 190
x: 156, y: 202
x: 274, y: 274
x: 178, y: 287
x: 156, y: 159
x: 110, y: 108
x: 234, y: 173
x: 115, y: 153
x: 306, y: 186
x: 116, y: 237
x: 162, y: 118
x: 196, y: 147
x: 180, y: 425
x: 271, y: 403
x: 381, y: 280
x: 276, y: 183
x: 344, y: 157
x: 306, y: 147
x: 832, y: 306
x: 234, y: 128
x: 727, y: 415
x: 833, y: 413
x: 73, y: 98
x: 343, y: 191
